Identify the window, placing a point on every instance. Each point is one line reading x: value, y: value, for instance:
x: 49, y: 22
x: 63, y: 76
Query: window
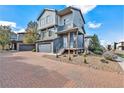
x: 66, y: 21
x: 43, y: 35
x: 50, y: 33
x: 40, y: 23
x: 49, y: 19
x: 51, y: 30
x: 45, y: 20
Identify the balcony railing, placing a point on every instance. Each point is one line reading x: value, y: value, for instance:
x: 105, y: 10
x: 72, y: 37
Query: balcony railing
x: 66, y: 26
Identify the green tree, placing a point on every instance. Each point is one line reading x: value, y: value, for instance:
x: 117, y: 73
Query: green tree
x: 5, y: 34
x: 31, y: 33
x: 95, y: 47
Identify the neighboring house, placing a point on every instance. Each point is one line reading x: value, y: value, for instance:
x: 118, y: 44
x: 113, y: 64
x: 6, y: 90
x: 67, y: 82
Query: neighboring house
x: 13, y: 38
x: 60, y: 30
x: 120, y: 45
x: 17, y: 42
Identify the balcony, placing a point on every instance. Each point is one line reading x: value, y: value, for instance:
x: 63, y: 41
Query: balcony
x: 13, y: 39
x: 66, y: 27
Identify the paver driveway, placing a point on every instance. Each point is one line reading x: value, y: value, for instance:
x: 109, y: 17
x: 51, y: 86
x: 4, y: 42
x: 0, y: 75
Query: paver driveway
x: 28, y: 69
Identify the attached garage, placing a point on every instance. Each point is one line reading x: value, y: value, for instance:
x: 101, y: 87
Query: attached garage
x: 26, y: 47
x: 45, y: 47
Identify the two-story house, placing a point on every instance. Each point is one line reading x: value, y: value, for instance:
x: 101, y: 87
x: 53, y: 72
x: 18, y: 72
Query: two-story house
x: 17, y: 42
x: 120, y: 45
x: 60, y: 30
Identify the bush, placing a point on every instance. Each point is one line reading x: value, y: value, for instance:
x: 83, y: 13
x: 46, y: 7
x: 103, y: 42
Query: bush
x: 33, y: 50
x: 99, y: 52
x: 95, y: 47
x: 85, y: 60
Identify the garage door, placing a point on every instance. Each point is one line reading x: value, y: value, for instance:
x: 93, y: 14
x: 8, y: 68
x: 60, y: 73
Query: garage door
x: 26, y: 47
x: 45, y: 48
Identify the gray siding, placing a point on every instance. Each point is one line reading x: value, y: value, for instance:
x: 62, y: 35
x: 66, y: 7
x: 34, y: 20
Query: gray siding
x: 49, y: 33
x: 20, y: 37
x: 13, y: 36
x: 77, y: 20
x: 61, y: 19
x: 57, y: 44
x: 45, y: 22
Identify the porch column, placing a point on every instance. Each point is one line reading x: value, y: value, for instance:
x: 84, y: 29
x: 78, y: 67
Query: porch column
x: 76, y: 42
x: 83, y: 43
x: 68, y: 40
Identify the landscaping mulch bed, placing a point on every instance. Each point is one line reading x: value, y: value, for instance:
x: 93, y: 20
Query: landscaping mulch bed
x: 93, y: 61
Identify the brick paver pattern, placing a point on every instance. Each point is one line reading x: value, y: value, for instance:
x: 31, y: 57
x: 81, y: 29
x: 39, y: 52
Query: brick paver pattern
x: 32, y: 70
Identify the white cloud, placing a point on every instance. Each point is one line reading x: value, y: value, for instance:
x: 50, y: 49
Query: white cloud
x: 85, y: 8
x: 7, y: 23
x: 94, y: 25
x: 22, y: 30
x: 13, y: 26
x: 19, y: 30
x: 104, y: 42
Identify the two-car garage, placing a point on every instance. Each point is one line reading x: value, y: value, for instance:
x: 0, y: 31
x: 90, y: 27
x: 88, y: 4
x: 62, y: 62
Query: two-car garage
x: 26, y: 47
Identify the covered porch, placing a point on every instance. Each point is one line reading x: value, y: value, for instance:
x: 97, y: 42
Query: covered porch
x: 73, y: 40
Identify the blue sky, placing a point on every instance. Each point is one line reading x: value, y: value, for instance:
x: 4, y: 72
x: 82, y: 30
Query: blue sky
x: 105, y: 21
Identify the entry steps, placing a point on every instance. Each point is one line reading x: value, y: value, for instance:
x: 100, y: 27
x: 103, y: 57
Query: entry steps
x: 61, y: 51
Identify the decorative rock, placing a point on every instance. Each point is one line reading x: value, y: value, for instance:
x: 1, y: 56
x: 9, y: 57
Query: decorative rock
x: 111, y: 56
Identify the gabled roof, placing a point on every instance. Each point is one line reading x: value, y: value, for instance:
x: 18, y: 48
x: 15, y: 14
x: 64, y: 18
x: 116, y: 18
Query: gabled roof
x: 46, y: 9
x: 68, y: 10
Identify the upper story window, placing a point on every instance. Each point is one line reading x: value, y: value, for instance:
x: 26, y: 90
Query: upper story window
x: 66, y: 21
x: 42, y: 35
x: 46, y: 20
x: 43, y: 21
x: 51, y: 31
